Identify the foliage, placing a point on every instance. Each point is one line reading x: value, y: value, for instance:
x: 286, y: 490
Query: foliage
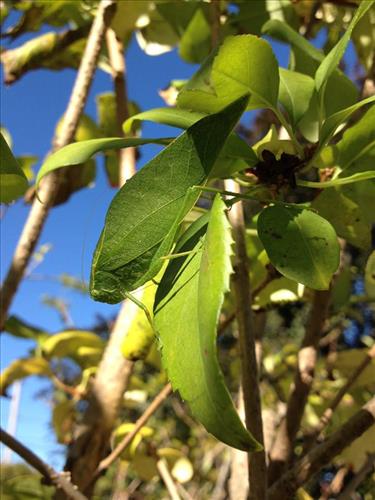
x: 308, y: 188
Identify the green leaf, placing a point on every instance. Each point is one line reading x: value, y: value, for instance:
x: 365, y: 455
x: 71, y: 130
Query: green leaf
x: 295, y: 93
x: 174, y: 117
x: 236, y: 154
x: 190, y: 295
x: 244, y: 63
x: 332, y: 122
x: 300, y: 244
x: 346, y: 209
x: 12, y: 178
x: 17, y: 327
x: 305, y: 58
x: 21, y: 368
x: 143, y: 218
x: 331, y: 61
x: 357, y: 141
x: 80, y: 152
x: 195, y: 43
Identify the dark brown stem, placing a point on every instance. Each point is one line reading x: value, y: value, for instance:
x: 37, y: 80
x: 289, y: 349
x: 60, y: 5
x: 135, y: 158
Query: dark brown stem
x: 58, y: 480
x: 316, y: 459
x: 246, y: 332
x: 215, y: 22
x: 282, y: 449
x: 48, y: 190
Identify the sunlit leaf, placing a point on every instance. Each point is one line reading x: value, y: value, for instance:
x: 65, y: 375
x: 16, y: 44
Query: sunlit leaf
x: 244, y: 63
x: 21, y: 368
x: 68, y: 343
x: 295, y: 93
x: 79, y: 152
x: 139, y: 335
x: 12, y: 178
x: 332, y: 122
x: 190, y: 296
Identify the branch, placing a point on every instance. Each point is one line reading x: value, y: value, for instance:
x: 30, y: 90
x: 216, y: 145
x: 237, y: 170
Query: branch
x: 167, y: 479
x: 282, y: 449
x: 250, y: 382
x: 114, y: 371
x: 327, y: 415
x: 38, y: 52
x: 304, y: 469
x: 127, y: 156
x: 58, y: 480
x: 121, y: 447
x: 39, y: 211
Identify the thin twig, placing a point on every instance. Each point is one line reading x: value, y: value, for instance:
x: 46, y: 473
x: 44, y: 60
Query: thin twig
x: 49, y: 188
x: 167, y: 479
x: 328, y: 412
x: 53, y: 477
x: 317, y: 458
x: 250, y: 381
x: 121, y: 447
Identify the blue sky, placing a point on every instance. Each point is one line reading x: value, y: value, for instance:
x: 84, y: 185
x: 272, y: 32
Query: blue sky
x: 30, y: 110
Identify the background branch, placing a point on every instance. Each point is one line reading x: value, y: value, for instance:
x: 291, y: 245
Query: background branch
x: 114, y: 371
x: 121, y: 447
x: 316, y: 459
x: 52, y: 477
x: 328, y: 412
x: 282, y: 449
x: 48, y: 190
